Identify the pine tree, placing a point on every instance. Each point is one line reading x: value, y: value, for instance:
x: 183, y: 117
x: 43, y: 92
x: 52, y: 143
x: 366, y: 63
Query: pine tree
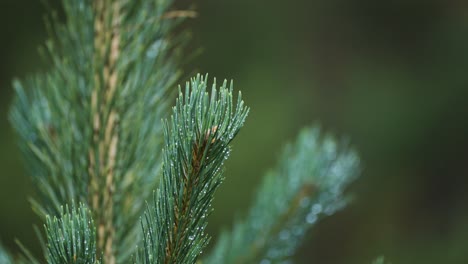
x: 121, y: 177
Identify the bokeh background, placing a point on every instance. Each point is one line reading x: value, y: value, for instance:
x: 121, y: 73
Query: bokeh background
x: 391, y: 75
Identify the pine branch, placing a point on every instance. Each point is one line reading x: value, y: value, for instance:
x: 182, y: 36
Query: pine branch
x: 90, y: 125
x: 197, y: 141
x: 307, y: 185
x: 90, y: 129
x: 72, y: 237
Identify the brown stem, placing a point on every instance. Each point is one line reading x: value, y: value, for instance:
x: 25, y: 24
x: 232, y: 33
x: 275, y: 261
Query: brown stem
x: 102, y: 155
x: 191, y: 180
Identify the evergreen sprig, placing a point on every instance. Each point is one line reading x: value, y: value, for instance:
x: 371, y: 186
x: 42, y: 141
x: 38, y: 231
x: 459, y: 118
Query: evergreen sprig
x: 89, y: 127
x: 90, y: 132
x: 307, y: 185
x: 71, y: 238
x: 197, y: 138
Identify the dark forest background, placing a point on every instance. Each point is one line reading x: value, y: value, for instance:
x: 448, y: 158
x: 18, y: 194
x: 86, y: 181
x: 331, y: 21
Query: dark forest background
x: 391, y: 75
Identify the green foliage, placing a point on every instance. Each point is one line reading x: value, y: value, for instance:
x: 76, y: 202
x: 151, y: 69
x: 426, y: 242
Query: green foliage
x: 90, y: 132
x: 197, y: 138
x: 90, y: 127
x: 72, y: 237
x: 307, y: 185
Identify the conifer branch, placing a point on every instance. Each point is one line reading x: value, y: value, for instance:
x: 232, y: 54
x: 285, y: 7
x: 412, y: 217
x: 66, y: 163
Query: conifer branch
x: 90, y: 132
x: 307, y: 185
x: 71, y: 238
x: 197, y: 141
x: 89, y: 126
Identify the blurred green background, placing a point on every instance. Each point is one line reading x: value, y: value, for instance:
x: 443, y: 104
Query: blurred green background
x: 391, y: 75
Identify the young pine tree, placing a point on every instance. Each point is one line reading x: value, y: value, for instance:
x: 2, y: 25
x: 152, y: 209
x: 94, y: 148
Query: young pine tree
x: 123, y: 178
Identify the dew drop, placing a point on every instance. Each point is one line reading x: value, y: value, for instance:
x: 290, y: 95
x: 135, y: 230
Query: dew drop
x: 311, y: 218
x: 316, y: 209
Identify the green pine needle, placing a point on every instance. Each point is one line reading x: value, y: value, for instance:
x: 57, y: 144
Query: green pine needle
x: 72, y: 237
x: 197, y: 138
x: 90, y: 132
x: 117, y: 62
x: 307, y: 185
